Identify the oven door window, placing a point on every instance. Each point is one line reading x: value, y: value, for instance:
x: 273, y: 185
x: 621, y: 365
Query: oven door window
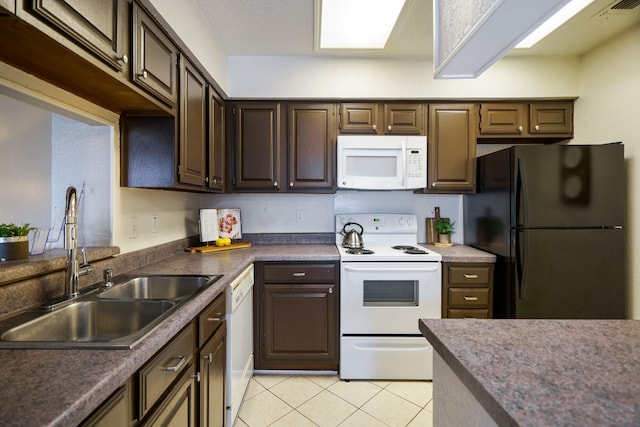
x: 390, y: 293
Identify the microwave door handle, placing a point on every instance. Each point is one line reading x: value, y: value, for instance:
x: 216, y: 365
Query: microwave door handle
x: 403, y: 182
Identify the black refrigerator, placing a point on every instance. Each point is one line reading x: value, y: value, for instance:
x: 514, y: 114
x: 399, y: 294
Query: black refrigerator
x: 554, y: 216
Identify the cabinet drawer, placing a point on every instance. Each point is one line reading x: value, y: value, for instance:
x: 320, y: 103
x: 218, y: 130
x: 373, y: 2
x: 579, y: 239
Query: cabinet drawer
x: 210, y: 319
x: 161, y: 371
x: 469, y: 297
x: 468, y: 313
x: 469, y: 274
x: 300, y: 273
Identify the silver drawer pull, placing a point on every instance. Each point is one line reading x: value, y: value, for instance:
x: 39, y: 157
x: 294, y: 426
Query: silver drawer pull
x: 470, y: 298
x: 209, y: 357
x: 215, y: 319
x: 181, y: 360
x: 470, y: 276
x: 299, y: 274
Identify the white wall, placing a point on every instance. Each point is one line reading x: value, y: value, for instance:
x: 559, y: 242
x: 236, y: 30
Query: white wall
x: 188, y: 22
x: 295, y: 77
x: 607, y: 111
x: 25, y: 154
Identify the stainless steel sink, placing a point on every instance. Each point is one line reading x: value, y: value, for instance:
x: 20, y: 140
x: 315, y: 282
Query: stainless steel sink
x: 92, y: 323
x: 161, y: 287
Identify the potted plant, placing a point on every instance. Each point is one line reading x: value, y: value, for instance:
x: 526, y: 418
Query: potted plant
x: 14, y: 241
x: 444, y: 228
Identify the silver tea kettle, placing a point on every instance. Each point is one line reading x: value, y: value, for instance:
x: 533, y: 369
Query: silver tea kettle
x: 352, y: 239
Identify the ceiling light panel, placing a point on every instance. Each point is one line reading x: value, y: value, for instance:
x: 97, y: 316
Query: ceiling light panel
x: 357, y: 24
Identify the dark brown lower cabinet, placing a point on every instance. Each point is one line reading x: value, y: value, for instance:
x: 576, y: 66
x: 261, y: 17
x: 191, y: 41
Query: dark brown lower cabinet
x: 297, y: 320
x: 113, y: 412
x: 179, y: 408
x: 212, y: 368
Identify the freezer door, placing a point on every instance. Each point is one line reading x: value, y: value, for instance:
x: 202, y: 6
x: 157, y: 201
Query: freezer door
x: 569, y: 185
x: 570, y: 274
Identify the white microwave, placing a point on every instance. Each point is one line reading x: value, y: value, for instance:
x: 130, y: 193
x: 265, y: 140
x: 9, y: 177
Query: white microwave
x: 382, y: 162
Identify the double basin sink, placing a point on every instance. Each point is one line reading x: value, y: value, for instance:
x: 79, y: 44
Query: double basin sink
x: 118, y: 316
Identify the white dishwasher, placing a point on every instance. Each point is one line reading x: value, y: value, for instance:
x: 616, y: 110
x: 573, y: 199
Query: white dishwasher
x: 239, y: 341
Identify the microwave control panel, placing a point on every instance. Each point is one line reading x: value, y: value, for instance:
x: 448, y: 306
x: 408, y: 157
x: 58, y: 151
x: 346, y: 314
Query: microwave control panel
x: 415, y: 163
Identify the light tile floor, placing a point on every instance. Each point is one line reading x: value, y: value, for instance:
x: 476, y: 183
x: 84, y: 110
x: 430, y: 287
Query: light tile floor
x: 326, y: 401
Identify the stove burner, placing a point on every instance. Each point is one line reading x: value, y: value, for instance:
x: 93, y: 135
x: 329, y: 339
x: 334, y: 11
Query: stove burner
x: 415, y: 251
x: 360, y: 251
x: 411, y: 250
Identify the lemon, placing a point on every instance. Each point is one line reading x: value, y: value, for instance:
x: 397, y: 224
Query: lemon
x: 227, y: 241
x: 220, y: 241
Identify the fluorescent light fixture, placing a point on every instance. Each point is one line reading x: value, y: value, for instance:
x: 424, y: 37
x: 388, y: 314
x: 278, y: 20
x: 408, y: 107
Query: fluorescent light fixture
x: 551, y: 24
x: 357, y: 24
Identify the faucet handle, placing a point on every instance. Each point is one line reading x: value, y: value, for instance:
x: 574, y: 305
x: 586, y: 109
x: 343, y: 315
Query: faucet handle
x: 84, y: 256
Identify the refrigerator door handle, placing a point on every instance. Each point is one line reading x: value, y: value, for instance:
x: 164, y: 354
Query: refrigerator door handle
x: 520, y: 244
x: 521, y: 199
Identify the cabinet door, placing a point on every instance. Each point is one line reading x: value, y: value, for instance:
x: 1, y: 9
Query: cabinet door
x: 502, y: 119
x: 404, y: 119
x: 193, y: 125
x: 217, y: 160
x: 359, y: 118
x: 451, y: 148
x: 113, y: 412
x: 95, y: 25
x: 154, y: 58
x: 300, y: 327
x: 551, y: 118
x: 257, y: 146
x: 212, y: 369
x: 179, y: 407
x: 312, y: 146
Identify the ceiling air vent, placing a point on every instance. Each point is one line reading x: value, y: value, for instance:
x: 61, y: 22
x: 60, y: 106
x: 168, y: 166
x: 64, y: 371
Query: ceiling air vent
x: 625, y: 5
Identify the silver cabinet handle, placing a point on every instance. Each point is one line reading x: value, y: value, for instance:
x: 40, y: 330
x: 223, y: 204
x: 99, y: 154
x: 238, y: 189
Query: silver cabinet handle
x: 144, y: 74
x: 537, y: 127
x: 208, y: 357
x: 299, y: 274
x: 124, y: 59
x: 291, y: 184
x: 466, y: 298
x: 520, y: 129
x: 330, y: 290
x: 214, y: 319
x: 374, y: 127
x: 470, y: 276
x: 196, y: 376
x: 389, y: 127
x: 275, y: 183
x: 177, y: 366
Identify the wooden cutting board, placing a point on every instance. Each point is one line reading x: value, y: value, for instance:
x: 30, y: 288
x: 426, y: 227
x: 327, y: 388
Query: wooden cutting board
x: 214, y: 248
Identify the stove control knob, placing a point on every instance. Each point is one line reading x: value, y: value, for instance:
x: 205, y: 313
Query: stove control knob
x: 401, y: 220
x: 409, y: 221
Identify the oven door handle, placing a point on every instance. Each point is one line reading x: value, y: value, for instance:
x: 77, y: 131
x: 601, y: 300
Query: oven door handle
x: 391, y: 269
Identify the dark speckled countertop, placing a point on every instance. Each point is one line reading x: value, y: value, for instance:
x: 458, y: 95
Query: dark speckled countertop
x: 62, y: 387
x: 545, y: 372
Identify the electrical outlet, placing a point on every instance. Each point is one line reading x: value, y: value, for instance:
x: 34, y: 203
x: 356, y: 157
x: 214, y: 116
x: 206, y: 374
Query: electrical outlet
x: 299, y: 216
x: 154, y: 223
x: 133, y: 227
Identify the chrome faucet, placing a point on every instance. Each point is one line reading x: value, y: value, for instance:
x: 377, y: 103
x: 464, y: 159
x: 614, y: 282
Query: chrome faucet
x: 74, y: 270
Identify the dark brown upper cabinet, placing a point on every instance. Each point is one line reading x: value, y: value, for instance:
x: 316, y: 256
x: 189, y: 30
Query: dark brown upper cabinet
x: 534, y: 120
x: 257, y: 148
x: 155, y: 58
x: 359, y: 118
x: 193, y: 125
x: 312, y: 131
x: 382, y: 119
x: 217, y: 156
x: 451, y: 148
x: 98, y: 26
x: 404, y: 119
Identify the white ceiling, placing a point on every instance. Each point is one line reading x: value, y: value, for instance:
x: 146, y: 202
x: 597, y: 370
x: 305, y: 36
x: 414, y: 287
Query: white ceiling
x: 286, y: 28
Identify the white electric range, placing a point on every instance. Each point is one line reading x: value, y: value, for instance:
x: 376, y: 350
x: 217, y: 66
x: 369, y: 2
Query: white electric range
x: 385, y: 287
